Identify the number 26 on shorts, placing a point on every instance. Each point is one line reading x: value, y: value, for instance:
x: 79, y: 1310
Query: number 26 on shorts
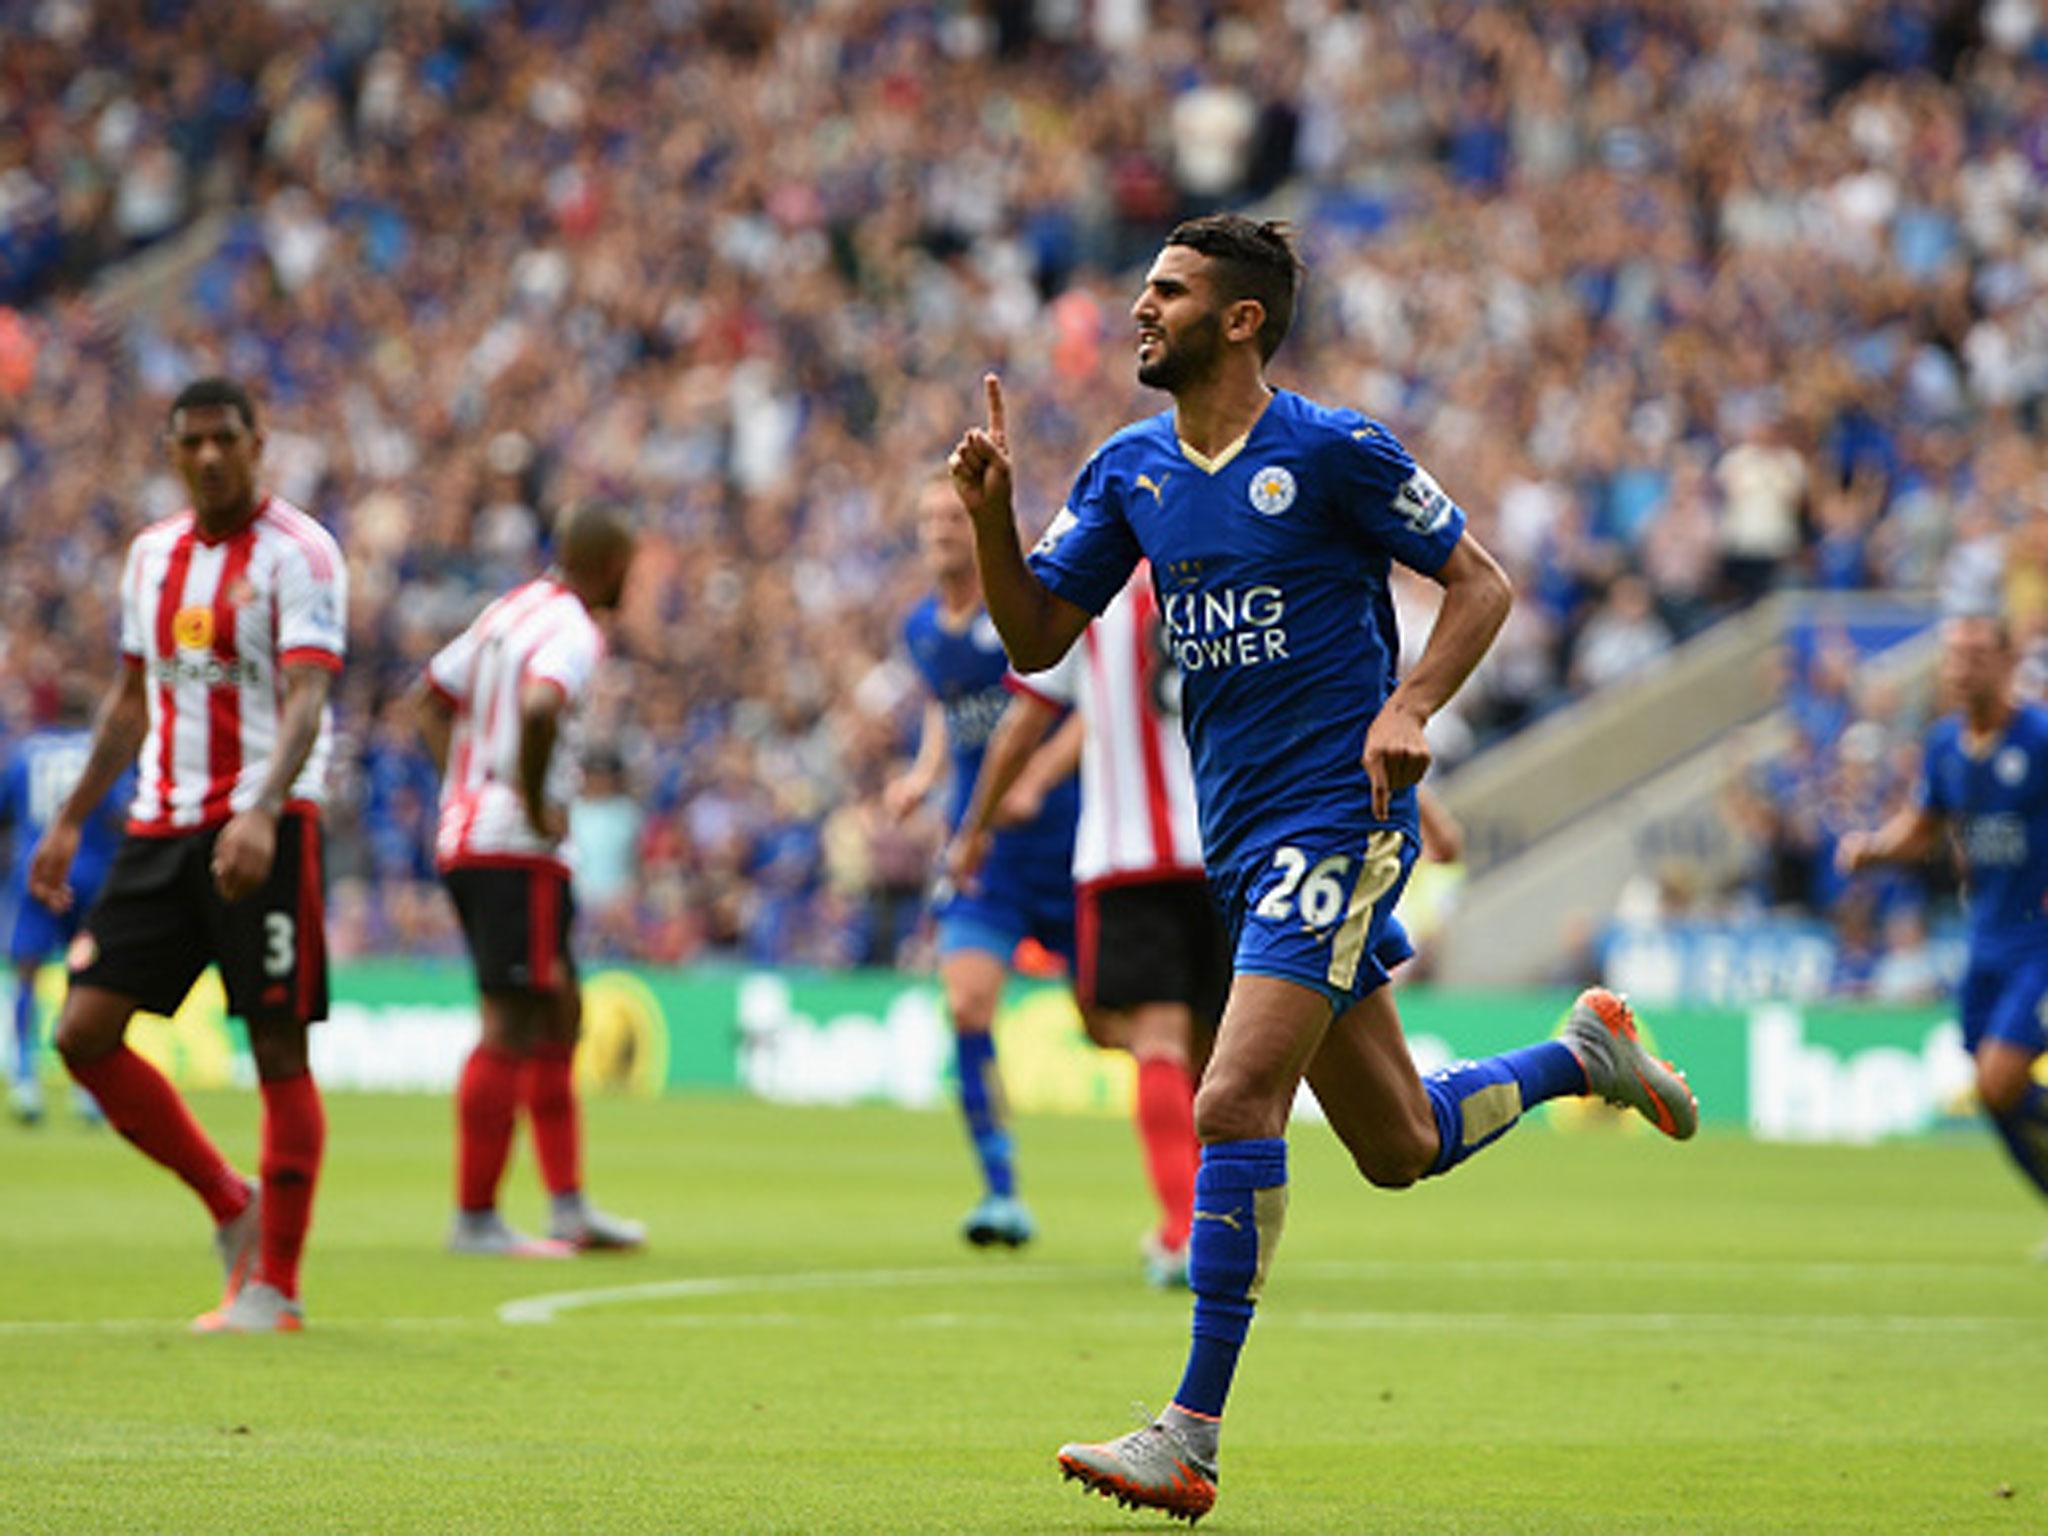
x: 1321, y: 893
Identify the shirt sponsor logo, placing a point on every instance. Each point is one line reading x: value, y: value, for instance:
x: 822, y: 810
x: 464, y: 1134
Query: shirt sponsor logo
x: 208, y: 671
x: 1995, y: 842
x: 1421, y: 503
x: 971, y: 717
x: 1273, y: 489
x: 1225, y: 627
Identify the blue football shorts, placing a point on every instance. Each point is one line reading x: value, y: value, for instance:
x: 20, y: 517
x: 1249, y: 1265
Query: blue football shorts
x: 39, y: 934
x: 995, y: 917
x: 2002, y: 999
x: 1318, y: 910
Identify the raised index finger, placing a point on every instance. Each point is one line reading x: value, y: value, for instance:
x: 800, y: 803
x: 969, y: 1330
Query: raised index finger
x: 997, y: 427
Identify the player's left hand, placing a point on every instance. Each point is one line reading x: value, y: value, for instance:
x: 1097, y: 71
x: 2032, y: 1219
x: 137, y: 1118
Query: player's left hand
x: 961, y: 862
x: 243, y: 854
x: 1396, y: 755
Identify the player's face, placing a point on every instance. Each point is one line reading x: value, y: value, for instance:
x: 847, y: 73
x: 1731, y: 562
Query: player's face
x: 1180, y: 321
x: 943, y: 532
x: 1976, y: 662
x: 215, y: 454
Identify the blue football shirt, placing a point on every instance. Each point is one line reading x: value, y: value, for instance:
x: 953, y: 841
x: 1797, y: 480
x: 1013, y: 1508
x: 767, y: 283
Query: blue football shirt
x: 964, y: 670
x: 1272, y: 565
x: 1998, y: 804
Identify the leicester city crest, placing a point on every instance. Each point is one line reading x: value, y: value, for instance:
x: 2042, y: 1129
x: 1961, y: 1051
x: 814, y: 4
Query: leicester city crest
x: 1273, y: 489
x: 2010, y: 765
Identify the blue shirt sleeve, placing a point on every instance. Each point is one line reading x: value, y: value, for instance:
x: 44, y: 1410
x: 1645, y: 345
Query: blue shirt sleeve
x: 13, y: 790
x: 1088, y: 550
x: 1390, y: 501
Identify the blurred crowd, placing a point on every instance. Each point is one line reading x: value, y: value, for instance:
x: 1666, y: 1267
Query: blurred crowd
x: 1753, y: 906
x: 1682, y: 302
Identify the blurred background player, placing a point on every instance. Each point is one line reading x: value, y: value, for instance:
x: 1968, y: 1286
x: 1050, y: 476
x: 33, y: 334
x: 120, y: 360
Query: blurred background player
x: 42, y: 771
x: 501, y: 709
x: 1154, y: 960
x: 1272, y: 523
x: 232, y: 616
x: 1023, y: 890
x: 1984, y: 778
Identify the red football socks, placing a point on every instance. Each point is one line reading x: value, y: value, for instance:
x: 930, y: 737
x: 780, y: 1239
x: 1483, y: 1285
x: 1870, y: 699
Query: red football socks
x: 294, y: 1132
x: 486, y: 1108
x: 1166, y: 1126
x: 551, y: 1101
x: 142, y: 1105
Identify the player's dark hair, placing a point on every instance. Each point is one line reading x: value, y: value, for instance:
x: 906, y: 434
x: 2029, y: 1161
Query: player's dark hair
x: 1253, y: 260
x: 2001, y: 631
x: 591, y: 532
x: 216, y: 391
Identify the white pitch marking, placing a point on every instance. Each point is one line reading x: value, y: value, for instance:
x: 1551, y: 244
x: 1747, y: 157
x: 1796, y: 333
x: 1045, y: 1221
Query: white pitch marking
x: 546, y: 1308
x: 1282, y: 1319
x: 12, y: 1327
x: 1831, y: 1273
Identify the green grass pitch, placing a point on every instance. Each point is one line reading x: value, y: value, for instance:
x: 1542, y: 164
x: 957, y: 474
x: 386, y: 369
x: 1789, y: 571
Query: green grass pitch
x: 1588, y: 1333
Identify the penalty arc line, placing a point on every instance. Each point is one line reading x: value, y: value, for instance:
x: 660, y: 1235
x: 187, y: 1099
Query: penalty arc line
x: 546, y: 1308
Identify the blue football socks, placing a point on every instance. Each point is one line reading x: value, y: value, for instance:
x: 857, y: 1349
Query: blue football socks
x: 1478, y: 1102
x: 24, y: 1030
x: 2024, y: 1130
x: 1240, y: 1207
x: 979, y: 1103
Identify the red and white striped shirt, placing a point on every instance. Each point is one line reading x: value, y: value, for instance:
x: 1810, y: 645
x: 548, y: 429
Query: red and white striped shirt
x: 1138, y: 817
x: 213, y: 623
x: 539, y: 631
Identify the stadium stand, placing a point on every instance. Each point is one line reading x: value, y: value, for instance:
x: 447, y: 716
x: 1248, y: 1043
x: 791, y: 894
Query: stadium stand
x: 1687, y: 304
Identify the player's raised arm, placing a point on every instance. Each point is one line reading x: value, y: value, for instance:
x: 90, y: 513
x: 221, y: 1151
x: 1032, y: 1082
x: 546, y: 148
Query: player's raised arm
x: 1477, y: 596
x: 1037, y: 626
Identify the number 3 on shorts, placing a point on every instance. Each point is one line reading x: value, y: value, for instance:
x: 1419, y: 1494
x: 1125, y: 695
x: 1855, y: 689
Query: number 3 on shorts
x: 279, y: 931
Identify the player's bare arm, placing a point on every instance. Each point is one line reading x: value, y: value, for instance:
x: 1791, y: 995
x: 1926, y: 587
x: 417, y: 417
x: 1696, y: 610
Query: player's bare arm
x: 247, y: 845
x: 1036, y: 625
x: 1443, y: 839
x: 117, y: 734
x: 434, y: 718
x: 1009, y: 752
x: 1058, y: 760
x: 907, y: 791
x: 540, y: 722
x: 1477, y: 596
x: 1908, y: 838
